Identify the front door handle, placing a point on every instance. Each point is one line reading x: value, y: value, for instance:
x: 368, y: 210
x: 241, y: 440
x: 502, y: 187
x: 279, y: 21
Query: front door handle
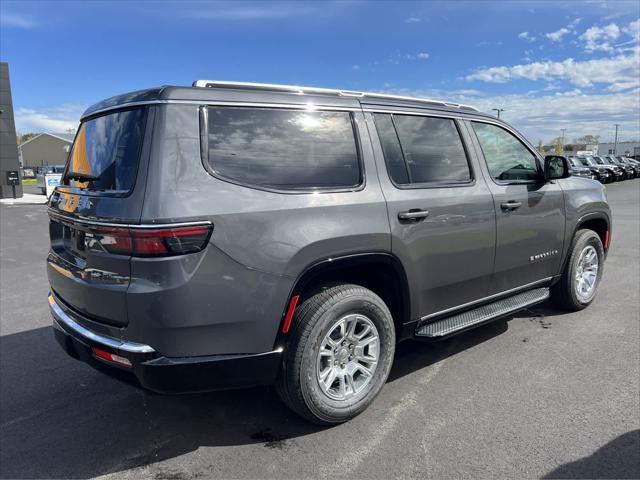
x: 510, y: 205
x: 414, y: 214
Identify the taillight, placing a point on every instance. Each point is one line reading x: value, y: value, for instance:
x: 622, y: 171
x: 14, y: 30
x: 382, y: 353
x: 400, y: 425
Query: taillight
x: 147, y: 242
x: 111, y: 357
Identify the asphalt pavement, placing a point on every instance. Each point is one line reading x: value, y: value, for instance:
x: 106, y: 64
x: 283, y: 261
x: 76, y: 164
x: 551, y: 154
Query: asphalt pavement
x: 542, y: 394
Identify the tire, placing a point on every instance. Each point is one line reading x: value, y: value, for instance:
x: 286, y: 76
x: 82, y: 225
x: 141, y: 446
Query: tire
x: 319, y: 320
x: 566, y: 293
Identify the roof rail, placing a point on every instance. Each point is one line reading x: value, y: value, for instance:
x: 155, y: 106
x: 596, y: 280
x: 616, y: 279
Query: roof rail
x: 302, y: 90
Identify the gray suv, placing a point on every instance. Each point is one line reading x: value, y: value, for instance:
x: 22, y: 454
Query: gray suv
x: 230, y: 234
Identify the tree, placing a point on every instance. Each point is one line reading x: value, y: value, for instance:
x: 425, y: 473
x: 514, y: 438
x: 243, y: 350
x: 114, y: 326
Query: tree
x: 587, y: 140
x: 558, y: 148
x: 27, y: 136
x: 541, y: 148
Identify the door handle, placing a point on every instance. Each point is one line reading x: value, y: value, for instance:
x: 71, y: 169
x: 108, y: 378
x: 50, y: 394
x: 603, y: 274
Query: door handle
x: 413, y: 214
x: 510, y: 205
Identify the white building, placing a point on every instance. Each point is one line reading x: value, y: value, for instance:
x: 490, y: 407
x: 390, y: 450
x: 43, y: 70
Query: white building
x: 630, y: 149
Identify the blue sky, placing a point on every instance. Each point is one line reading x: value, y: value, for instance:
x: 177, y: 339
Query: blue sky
x: 550, y: 65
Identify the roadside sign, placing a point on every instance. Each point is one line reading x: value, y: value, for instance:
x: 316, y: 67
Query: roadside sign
x: 51, y: 181
x: 13, y: 178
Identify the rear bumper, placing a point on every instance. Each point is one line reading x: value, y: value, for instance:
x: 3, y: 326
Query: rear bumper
x: 159, y: 373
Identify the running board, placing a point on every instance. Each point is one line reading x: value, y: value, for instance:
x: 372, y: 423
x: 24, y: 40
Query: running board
x: 439, y: 329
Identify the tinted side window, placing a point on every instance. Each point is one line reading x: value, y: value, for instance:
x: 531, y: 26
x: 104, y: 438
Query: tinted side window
x: 393, y: 157
x: 430, y: 148
x: 507, y: 158
x: 283, y: 149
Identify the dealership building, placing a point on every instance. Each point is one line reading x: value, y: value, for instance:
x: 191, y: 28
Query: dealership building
x: 10, y: 181
x: 631, y: 149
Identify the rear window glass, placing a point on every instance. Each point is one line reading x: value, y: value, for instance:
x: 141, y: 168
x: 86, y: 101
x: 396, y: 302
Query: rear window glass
x: 106, y: 152
x: 283, y: 149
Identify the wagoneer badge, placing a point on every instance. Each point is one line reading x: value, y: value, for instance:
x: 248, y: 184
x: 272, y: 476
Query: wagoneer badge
x: 540, y: 256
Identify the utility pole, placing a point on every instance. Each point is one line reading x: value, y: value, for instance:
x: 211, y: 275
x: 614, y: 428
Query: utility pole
x: 563, y: 130
x: 498, y: 110
x: 615, y: 145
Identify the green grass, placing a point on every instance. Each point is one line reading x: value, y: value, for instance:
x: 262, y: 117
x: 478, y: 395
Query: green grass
x: 29, y: 182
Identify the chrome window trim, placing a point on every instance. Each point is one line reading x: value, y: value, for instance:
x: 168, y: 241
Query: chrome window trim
x: 484, y: 299
x: 59, y: 316
x: 82, y: 221
x: 439, y: 114
x: 301, y: 106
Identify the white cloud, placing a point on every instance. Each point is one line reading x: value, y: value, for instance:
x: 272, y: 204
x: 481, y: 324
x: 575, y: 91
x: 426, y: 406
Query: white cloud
x: 53, y: 120
x: 526, y: 36
x: 15, y: 20
x: 558, y: 34
x: 570, y: 93
x: 355, y: 67
x: 622, y: 68
x: 600, y: 38
x: 619, y: 86
x: 542, y: 116
x: 423, y: 55
x: 413, y: 20
x: 633, y: 30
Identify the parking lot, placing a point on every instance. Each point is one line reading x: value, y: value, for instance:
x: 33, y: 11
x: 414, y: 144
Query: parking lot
x: 541, y: 394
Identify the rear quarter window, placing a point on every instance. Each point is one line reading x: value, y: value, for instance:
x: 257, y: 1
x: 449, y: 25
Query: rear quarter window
x: 283, y: 149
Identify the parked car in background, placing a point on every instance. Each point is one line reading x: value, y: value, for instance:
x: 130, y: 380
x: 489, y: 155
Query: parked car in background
x: 579, y: 170
x: 631, y: 169
x: 231, y: 234
x: 42, y: 171
x: 617, y: 173
x: 634, y: 162
x: 612, y: 161
x: 602, y: 174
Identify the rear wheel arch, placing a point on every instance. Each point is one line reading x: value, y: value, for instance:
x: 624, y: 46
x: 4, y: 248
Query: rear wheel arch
x: 380, y: 272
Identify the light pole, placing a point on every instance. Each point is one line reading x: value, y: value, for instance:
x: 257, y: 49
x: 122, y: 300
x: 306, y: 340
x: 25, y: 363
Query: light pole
x: 563, y: 130
x: 615, y: 144
x: 498, y: 110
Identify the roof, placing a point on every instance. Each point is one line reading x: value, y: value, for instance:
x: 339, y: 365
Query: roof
x: 65, y: 137
x: 210, y: 91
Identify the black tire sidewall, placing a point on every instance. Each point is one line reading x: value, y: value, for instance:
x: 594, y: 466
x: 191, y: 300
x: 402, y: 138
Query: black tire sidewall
x: 582, y: 240
x: 320, y: 405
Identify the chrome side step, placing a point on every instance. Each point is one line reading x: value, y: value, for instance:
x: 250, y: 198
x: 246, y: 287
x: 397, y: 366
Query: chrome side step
x: 445, y: 327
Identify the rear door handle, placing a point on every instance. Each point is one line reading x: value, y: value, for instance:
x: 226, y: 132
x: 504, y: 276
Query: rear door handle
x: 510, y: 205
x: 413, y: 214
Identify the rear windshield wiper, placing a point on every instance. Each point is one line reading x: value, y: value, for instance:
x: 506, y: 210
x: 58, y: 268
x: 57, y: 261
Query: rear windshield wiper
x: 82, y: 177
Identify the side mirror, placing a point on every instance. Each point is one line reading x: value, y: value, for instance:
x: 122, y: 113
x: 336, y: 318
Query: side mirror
x: 556, y: 166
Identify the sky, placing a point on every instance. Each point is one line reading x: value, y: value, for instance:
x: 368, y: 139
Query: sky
x: 549, y: 64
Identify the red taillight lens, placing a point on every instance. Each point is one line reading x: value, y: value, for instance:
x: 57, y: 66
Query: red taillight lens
x: 153, y: 241
x: 170, y: 240
x: 111, y: 357
x: 115, y: 239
